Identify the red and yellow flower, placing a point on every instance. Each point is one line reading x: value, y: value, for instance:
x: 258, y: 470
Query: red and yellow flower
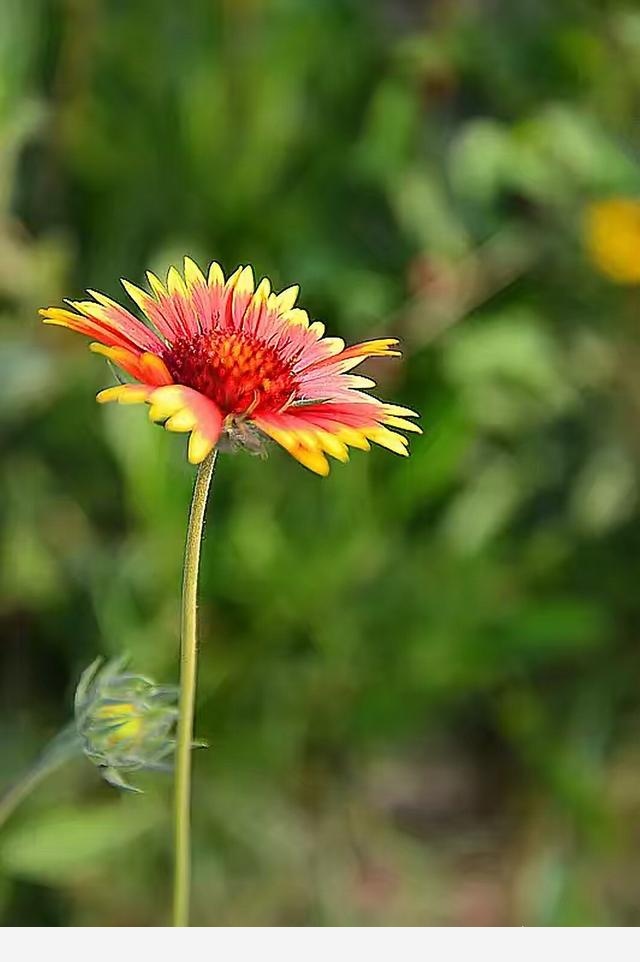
x: 230, y: 363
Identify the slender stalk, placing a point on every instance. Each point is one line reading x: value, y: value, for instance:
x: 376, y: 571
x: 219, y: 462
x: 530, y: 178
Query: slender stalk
x: 63, y: 747
x: 12, y: 798
x: 186, y: 705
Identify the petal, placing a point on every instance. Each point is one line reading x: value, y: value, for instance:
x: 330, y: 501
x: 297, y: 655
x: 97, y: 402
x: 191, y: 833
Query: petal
x: 241, y: 295
x: 151, y: 308
x: 318, y: 352
x: 175, y: 284
x: 156, y: 285
x: 388, y: 439
x: 200, y: 445
x: 90, y: 327
x: 314, y: 460
x: 333, y: 445
x: 179, y: 408
x: 353, y: 437
x: 257, y: 310
x: 403, y: 424
x: 153, y: 370
x: 216, y: 277
x: 226, y: 300
x: 353, y: 423
x: 309, y: 454
x: 401, y: 411
x: 205, y: 296
x: 286, y: 299
x: 145, y: 367
x: 124, y: 321
x: 124, y: 394
x: 350, y: 357
x: 192, y: 274
x: 183, y: 409
x: 295, y: 316
x: 128, y: 360
x: 170, y: 309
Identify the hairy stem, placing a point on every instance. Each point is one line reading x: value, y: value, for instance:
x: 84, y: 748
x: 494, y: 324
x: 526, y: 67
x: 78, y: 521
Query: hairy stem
x: 188, y: 661
x: 63, y: 747
x: 10, y: 801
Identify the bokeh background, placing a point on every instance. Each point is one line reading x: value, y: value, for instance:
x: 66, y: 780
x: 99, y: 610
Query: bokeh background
x: 420, y: 680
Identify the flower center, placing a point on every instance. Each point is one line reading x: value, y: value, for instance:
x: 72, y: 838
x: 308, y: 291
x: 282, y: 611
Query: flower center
x: 237, y: 371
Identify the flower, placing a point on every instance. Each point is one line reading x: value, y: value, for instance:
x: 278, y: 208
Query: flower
x: 612, y: 238
x: 125, y: 722
x: 231, y: 364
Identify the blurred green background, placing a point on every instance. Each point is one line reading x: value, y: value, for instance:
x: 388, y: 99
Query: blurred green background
x: 420, y: 680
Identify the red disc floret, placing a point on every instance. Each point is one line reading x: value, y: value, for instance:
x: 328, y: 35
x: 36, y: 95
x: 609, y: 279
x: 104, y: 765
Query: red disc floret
x: 236, y: 370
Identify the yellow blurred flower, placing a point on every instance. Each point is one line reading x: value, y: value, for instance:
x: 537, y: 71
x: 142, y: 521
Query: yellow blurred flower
x: 612, y: 238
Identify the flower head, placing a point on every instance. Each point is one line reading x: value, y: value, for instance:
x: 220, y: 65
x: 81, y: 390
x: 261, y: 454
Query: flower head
x: 232, y: 364
x: 125, y: 722
x: 612, y: 238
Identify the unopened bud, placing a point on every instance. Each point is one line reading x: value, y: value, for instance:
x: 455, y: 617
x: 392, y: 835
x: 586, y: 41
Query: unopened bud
x: 125, y: 722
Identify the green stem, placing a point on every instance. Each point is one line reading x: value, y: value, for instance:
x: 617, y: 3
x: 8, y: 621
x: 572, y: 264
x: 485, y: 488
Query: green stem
x: 186, y: 705
x: 63, y: 747
x: 10, y: 801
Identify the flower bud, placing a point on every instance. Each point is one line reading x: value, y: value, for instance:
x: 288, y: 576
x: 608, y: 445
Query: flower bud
x: 125, y: 722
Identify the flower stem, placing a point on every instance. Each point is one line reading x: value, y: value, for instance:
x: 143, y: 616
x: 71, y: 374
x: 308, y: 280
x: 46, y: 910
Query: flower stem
x: 62, y: 748
x: 10, y: 801
x: 186, y: 705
